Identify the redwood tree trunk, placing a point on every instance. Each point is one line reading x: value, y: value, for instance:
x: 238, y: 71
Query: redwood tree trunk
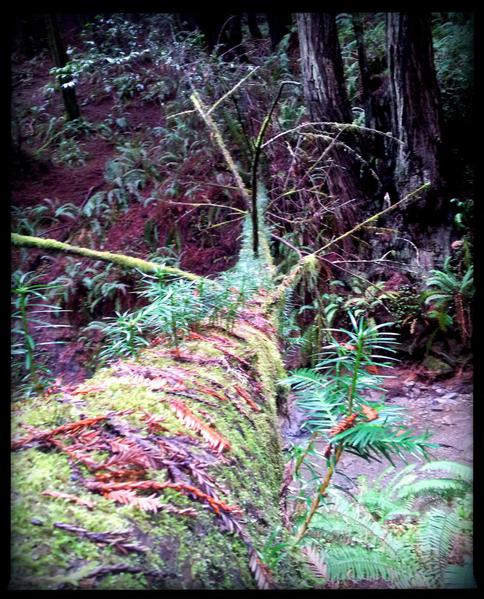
x: 415, y: 100
x: 365, y: 76
x: 327, y: 100
x: 416, y: 121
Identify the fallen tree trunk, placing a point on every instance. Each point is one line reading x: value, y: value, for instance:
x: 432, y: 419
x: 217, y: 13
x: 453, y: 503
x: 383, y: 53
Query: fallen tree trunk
x: 163, y: 471
x: 159, y: 472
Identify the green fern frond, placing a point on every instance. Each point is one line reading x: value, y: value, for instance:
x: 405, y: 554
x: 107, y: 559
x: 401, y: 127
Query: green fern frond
x: 459, y: 576
x: 438, y: 487
x: 305, y: 379
x: 372, y: 439
x: 358, y: 520
x: 460, y: 471
x: 359, y: 563
x: 436, y: 536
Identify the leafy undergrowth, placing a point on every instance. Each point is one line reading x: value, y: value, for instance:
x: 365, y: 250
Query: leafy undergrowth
x: 410, y: 528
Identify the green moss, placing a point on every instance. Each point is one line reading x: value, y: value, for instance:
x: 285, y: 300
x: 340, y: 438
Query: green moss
x: 119, y: 259
x: 186, y: 552
x: 124, y: 581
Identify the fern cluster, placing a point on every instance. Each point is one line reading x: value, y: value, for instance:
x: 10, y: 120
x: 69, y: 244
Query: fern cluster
x: 31, y: 312
x: 382, y: 534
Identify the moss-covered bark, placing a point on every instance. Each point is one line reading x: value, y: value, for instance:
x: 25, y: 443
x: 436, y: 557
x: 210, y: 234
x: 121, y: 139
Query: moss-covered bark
x: 119, y: 259
x: 199, y: 423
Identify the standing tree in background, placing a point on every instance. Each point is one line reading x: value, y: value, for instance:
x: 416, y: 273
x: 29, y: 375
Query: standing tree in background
x: 416, y: 115
x: 327, y: 100
x: 365, y: 74
x: 254, y: 30
x: 376, y: 104
x: 280, y: 24
x: 59, y: 57
x: 416, y: 121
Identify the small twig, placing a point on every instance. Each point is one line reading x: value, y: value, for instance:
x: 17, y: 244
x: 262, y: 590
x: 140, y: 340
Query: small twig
x: 223, y: 28
x: 306, y: 261
x: 289, y: 245
x: 220, y: 100
x: 374, y: 217
x: 204, y: 205
x: 340, y: 126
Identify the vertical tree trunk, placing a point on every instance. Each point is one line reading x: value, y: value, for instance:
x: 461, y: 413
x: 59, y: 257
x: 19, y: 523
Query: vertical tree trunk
x: 415, y: 100
x: 327, y: 100
x: 322, y: 66
x: 376, y: 103
x: 416, y: 121
x: 254, y: 30
x: 60, y: 59
x: 279, y: 25
x: 365, y: 76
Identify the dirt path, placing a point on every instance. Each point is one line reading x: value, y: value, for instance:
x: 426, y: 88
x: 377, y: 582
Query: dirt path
x: 444, y: 407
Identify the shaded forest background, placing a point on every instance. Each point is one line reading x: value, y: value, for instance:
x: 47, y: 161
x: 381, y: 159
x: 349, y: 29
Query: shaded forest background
x: 102, y: 157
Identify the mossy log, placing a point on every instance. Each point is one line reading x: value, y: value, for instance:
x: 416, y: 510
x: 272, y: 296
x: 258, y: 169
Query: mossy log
x: 160, y: 472
x: 118, y: 259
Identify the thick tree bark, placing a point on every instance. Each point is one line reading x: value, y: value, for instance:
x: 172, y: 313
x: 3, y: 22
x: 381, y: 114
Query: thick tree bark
x: 60, y: 59
x: 416, y: 121
x: 376, y: 104
x: 327, y: 100
x: 415, y: 95
x: 322, y: 67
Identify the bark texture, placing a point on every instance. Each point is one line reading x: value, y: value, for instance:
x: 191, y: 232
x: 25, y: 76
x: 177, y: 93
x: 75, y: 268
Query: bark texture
x: 327, y: 100
x: 415, y: 100
x: 416, y: 120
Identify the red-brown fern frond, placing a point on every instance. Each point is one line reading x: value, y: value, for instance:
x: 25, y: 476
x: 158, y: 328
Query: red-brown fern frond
x: 246, y: 397
x: 192, y: 422
x: 315, y: 562
x: 260, y: 571
x: 68, y: 497
x: 126, y: 497
x: 369, y: 412
x: 146, y: 485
